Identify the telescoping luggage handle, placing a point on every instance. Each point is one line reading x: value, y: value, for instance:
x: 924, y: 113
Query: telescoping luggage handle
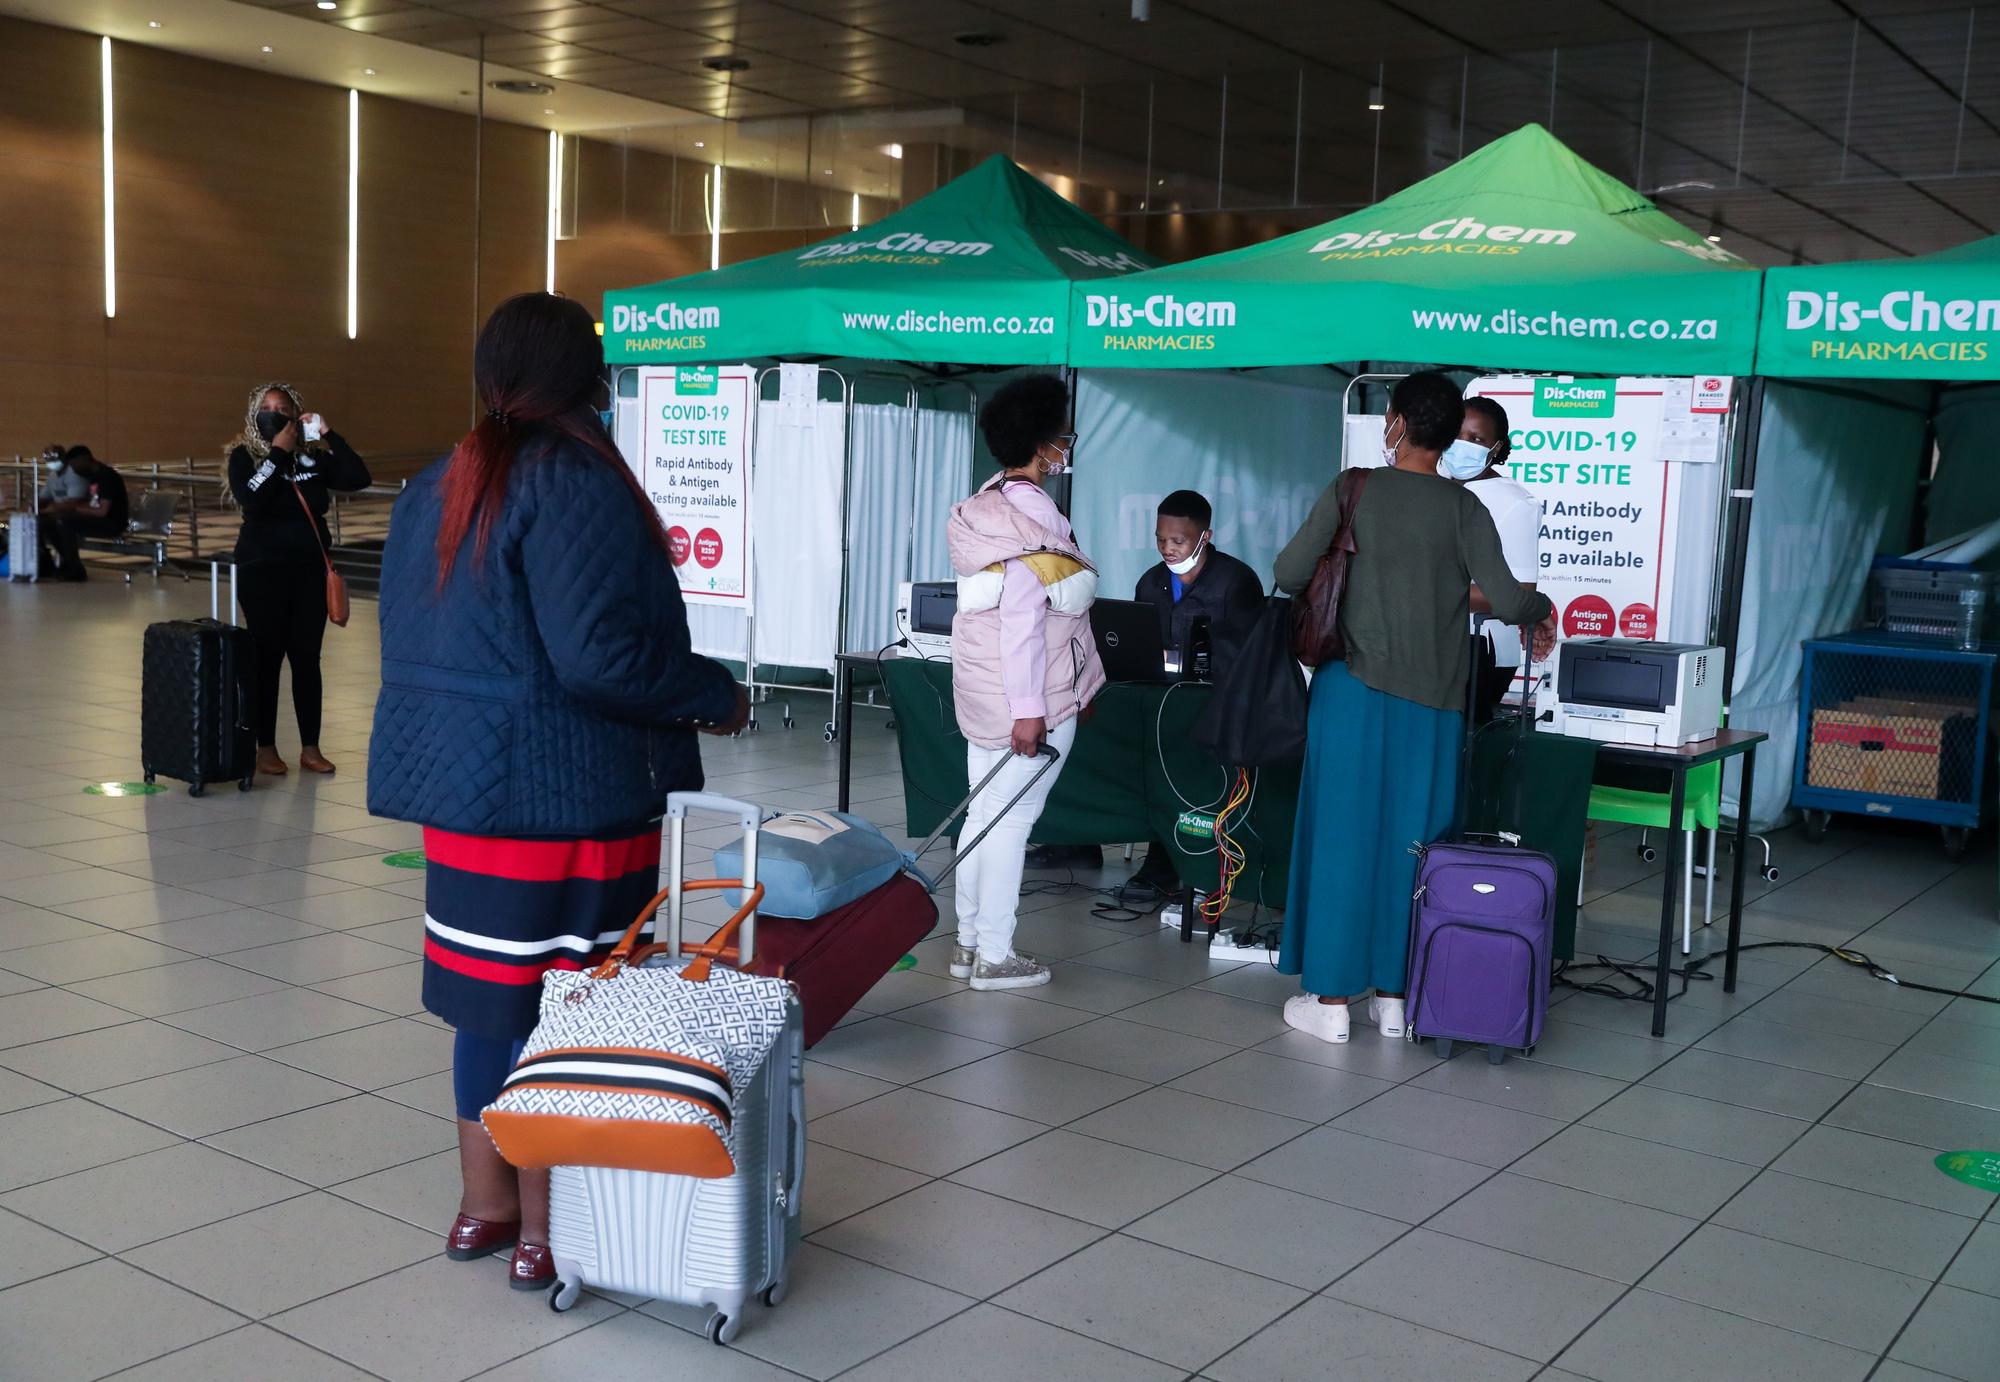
x: 628, y: 951
x: 1047, y: 753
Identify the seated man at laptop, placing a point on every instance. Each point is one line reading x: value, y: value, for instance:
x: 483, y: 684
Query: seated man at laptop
x: 1193, y: 580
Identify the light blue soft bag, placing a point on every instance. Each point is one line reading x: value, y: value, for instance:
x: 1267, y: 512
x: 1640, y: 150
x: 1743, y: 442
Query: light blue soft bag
x: 812, y: 862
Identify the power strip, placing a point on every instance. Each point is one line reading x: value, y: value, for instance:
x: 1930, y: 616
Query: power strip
x: 1170, y: 915
x: 1224, y: 946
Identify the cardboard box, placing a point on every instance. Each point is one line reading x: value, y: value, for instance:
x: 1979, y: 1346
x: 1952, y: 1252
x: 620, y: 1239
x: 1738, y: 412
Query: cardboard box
x: 1887, y: 747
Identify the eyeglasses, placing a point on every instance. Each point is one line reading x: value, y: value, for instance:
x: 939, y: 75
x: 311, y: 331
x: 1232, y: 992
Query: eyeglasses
x: 1066, y: 440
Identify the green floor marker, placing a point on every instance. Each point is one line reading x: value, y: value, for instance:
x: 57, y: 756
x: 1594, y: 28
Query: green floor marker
x: 124, y: 789
x: 407, y: 859
x: 1980, y: 1170
x: 907, y: 962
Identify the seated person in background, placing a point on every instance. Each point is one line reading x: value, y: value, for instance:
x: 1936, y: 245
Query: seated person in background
x: 1474, y: 460
x: 102, y: 511
x: 64, y: 483
x: 1192, y: 581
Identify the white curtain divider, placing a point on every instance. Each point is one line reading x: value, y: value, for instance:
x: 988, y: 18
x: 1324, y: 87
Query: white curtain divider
x: 1260, y: 451
x: 795, y: 543
x: 1836, y: 479
x: 903, y: 491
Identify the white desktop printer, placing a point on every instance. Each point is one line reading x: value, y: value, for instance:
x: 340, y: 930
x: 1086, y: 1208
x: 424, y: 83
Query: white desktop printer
x: 1629, y: 691
x: 924, y: 611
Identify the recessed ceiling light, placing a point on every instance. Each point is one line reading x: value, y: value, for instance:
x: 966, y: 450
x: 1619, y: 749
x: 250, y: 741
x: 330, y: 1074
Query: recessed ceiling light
x: 154, y: 24
x: 548, y: 110
x: 829, y: 172
x: 701, y: 143
x: 267, y: 48
x: 1375, y: 101
x: 1715, y: 239
x: 328, y: 5
x: 367, y: 71
x: 893, y: 150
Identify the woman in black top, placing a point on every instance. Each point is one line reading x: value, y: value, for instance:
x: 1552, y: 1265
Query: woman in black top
x: 283, y: 483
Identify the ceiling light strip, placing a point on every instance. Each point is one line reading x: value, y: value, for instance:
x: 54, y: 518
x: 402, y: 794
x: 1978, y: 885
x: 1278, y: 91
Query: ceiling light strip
x: 555, y: 202
x: 110, y: 211
x: 353, y: 213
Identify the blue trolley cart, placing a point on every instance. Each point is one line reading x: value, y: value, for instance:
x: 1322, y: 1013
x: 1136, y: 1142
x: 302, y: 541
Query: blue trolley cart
x: 1894, y: 726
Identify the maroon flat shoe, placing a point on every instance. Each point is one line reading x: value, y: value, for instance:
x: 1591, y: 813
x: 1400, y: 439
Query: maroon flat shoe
x: 534, y: 1268
x: 472, y: 1238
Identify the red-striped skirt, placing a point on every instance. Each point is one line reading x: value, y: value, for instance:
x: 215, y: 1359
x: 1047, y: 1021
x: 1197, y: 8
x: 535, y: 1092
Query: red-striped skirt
x: 500, y: 913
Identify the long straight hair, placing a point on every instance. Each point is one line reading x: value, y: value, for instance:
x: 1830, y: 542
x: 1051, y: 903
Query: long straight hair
x: 537, y: 368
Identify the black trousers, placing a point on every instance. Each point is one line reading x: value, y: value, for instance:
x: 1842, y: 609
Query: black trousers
x: 61, y: 531
x: 284, y: 603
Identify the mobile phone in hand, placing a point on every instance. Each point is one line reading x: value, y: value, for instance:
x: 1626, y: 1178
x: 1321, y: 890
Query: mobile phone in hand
x: 314, y: 428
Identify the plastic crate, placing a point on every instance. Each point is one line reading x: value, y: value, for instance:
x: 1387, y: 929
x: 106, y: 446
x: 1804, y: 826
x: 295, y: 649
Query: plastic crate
x: 1932, y: 600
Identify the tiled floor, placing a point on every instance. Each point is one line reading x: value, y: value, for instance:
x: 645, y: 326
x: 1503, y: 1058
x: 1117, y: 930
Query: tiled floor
x: 225, y: 1146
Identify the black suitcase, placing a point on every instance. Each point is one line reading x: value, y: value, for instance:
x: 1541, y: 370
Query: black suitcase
x: 195, y: 704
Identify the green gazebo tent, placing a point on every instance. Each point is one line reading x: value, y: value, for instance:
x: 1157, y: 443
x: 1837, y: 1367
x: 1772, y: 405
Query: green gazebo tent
x: 1521, y: 256
x: 978, y: 272
x: 1933, y: 317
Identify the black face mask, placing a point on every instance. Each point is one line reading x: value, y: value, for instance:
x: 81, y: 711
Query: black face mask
x: 271, y: 422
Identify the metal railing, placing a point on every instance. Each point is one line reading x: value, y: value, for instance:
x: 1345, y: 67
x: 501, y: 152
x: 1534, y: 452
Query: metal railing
x: 205, y: 492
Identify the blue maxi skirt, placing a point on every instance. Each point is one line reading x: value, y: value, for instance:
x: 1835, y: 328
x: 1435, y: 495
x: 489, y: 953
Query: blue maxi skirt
x: 1381, y: 774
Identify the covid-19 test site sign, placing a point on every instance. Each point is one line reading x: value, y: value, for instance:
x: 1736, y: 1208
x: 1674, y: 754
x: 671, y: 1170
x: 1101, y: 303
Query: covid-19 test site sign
x: 691, y: 452
x: 1606, y: 458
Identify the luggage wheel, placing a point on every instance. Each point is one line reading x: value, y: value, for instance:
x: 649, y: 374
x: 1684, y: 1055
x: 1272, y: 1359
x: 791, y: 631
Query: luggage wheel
x: 721, y: 1328
x: 774, y: 1294
x: 564, y: 1295
x: 244, y: 784
x: 1495, y: 1055
x: 831, y: 732
x: 1443, y: 1048
x: 197, y: 789
x: 149, y: 779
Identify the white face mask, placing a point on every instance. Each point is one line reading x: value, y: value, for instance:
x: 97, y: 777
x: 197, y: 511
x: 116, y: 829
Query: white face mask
x: 1181, y: 568
x: 1390, y: 448
x: 1057, y: 467
x: 1463, y: 460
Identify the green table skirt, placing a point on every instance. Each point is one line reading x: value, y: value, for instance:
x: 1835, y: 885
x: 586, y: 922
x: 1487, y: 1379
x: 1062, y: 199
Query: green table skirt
x: 1135, y: 770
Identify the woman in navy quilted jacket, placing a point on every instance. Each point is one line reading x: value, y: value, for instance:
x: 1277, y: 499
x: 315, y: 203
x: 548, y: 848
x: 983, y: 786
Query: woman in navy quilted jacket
x: 539, y: 699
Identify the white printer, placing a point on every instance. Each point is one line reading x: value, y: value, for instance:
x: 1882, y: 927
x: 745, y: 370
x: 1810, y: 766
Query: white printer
x: 1629, y: 691
x: 924, y: 611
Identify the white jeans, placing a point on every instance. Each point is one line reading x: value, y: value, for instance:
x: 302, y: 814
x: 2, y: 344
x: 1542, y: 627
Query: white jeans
x: 989, y: 878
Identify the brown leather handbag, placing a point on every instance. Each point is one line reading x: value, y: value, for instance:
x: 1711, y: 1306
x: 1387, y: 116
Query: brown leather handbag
x: 1316, y: 638
x: 336, y: 584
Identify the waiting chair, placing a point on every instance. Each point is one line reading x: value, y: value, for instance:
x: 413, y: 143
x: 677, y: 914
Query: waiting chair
x: 1702, y: 810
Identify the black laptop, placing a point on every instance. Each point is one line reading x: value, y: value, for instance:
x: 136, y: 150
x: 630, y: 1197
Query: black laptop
x: 1129, y: 642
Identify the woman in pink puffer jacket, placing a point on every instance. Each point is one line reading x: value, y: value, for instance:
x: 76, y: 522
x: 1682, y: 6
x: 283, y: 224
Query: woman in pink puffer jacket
x: 1024, y: 664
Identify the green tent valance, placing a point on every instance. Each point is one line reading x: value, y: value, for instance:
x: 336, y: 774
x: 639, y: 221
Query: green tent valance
x: 1519, y: 256
x: 978, y: 272
x: 1934, y: 316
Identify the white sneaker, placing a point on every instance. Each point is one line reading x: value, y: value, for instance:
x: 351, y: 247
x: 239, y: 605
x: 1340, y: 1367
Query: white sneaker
x: 1014, y: 972
x: 1386, y: 1014
x: 962, y: 959
x: 1327, y: 1021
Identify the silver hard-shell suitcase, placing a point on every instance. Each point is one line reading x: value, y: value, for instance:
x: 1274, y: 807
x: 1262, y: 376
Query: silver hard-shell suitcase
x: 697, y: 1241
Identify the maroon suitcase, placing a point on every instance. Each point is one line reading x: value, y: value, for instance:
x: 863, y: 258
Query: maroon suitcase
x: 836, y: 957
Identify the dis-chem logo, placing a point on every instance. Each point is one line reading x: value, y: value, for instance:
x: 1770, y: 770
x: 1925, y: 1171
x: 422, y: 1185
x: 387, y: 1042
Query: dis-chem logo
x: 1575, y: 398
x: 665, y: 316
x: 1452, y: 235
x: 896, y: 246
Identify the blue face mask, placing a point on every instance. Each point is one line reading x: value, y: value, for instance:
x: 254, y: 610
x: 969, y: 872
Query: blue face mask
x: 605, y: 416
x: 1463, y: 460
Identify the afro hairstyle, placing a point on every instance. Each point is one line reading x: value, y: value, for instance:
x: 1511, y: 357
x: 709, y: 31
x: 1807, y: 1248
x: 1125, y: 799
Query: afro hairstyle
x: 1023, y: 415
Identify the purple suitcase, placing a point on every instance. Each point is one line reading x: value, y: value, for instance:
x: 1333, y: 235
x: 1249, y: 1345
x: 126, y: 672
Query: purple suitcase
x: 1482, y: 935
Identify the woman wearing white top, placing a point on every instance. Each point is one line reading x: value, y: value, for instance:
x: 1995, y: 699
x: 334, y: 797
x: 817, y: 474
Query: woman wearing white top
x: 1475, y: 460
